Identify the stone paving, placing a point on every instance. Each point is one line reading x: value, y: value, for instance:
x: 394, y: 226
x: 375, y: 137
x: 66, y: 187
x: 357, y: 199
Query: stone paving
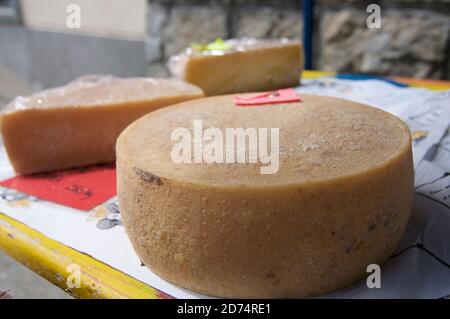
x: 20, y: 282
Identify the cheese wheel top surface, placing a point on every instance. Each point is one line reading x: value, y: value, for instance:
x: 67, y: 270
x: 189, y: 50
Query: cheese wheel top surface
x: 319, y: 138
x: 98, y: 90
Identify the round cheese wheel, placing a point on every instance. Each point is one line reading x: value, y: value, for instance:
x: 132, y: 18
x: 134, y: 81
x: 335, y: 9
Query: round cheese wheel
x: 339, y: 201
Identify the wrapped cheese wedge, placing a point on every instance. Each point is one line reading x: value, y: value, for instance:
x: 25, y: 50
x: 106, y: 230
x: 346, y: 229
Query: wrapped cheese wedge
x: 78, y: 124
x: 265, y: 200
x: 240, y: 65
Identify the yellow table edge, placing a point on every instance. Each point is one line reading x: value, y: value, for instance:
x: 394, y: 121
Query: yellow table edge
x: 435, y: 85
x: 57, y: 263
x: 52, y: 260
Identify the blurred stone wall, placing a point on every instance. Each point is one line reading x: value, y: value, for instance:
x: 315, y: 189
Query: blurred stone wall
x: 414, y: 39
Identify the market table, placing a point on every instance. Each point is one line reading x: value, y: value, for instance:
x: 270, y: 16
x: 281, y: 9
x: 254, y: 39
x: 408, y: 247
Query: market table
x: 85, y: 251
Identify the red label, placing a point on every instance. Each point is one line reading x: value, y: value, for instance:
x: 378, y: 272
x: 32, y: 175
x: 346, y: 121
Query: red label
x: 280, y: 96
x: 83, y: 188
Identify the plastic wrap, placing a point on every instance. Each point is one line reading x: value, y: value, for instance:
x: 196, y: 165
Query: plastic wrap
x: 229, y: 66
x: 93, y: 90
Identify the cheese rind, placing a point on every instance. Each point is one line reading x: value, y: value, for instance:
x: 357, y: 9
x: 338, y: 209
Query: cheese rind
x: 78, y: 124
x: 249, y: 65
x: 226, y: 230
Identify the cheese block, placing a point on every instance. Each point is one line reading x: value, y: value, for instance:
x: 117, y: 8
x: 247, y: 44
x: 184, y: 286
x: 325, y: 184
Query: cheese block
x: 339, y: 200
x: 240, y: 65
x: 78, y: 124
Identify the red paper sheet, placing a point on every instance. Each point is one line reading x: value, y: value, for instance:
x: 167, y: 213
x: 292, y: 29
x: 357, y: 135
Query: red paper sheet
x: 279, y: 96
x: 83, y: 188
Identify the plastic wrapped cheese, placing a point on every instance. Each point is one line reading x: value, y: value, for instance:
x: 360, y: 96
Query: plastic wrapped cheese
x: 78, y: 124
x: 240, y: 65
x: 339, y: 200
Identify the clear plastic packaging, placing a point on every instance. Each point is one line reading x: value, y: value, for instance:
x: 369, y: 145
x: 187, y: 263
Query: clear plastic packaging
x: 245, y: 65
x: 93, y: 90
